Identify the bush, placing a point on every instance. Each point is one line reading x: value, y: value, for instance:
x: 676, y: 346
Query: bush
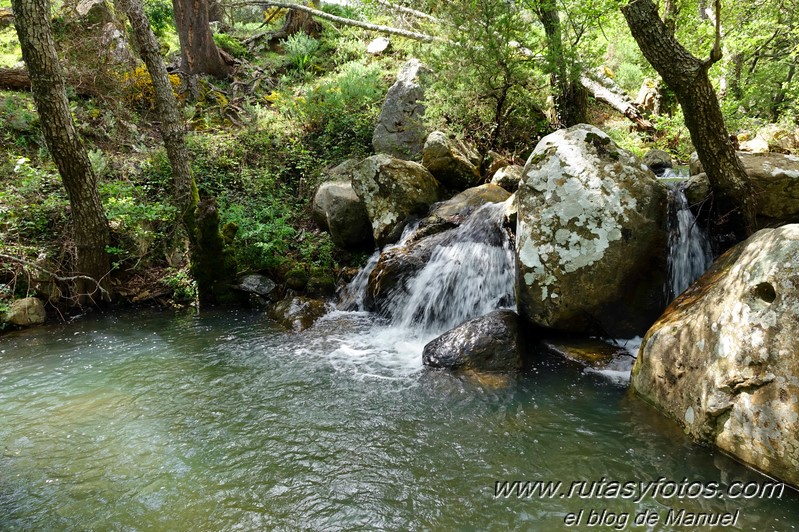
x: 300, y: 51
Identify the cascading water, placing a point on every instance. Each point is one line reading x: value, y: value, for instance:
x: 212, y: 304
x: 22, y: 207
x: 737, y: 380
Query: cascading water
x: 470, y: 273
x: 690, y: 253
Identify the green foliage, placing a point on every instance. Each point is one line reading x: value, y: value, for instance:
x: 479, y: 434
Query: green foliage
x: 161, y: 16
x: 183, y: 287
x: 138, y: 216
x: 19, y: 122
x: 231, y: 45
x: 301, y: 50
x: 265, y: 233
x: 341, y: 112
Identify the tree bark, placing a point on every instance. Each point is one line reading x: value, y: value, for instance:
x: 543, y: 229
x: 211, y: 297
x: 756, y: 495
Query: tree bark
x: 687, y: 76
x: 212, y: 265
x: 197, y: 47
x: 17, y: 79
x: 569, y: 96
x: 89, y: 224
x: 619, y: 101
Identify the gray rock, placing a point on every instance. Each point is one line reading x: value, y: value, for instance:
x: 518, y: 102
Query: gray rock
x: 467, y: 201
x: 508, y: 177
x: 446, y: 161
x: 590, y: 243
x: 775, y: 179
x: 338, y: 209
x: 400, y: 130
x: 695, y: 165
x: 658, y: 161
x: 392, y: 191
x: 378, y: 46
x: 723, y: 359
x: 259, y: 285
x: 25, y: 312
x: 489, y: 343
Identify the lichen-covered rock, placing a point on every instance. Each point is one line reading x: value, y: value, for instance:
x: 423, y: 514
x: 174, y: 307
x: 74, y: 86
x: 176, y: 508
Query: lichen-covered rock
x: 297, y: 313
x: 392, y: 191
x: 657, y: 161
x: 447, y: 163
x: 589, y: 352
x: 400, y: 131
x: 467, y: 201
x: 590, y: 242
x: 695, y: 165
x: 723, y: 359
x: 26, y: 311
x: 508, y: 177
x: 257, y: 284
x: 774, y: 177
x: 339, y: 210
x: 488, y: 343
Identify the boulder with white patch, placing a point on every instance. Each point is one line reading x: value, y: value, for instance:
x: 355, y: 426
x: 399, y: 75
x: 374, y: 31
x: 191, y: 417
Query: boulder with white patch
x: 393, y: 190
x: 774, y: 178
x: 723, y: 360
x: 591, y: 243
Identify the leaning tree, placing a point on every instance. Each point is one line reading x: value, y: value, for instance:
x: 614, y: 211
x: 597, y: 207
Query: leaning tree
x: 687, y: 76
x: 89, y: 224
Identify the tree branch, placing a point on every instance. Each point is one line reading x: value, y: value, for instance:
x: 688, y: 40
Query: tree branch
x: 346, y: 21
x: 71, y: 278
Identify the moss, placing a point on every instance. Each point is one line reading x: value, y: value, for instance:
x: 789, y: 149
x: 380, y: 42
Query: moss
x: 321, y: 282
x: 213, y: 263
x: 296, y: 279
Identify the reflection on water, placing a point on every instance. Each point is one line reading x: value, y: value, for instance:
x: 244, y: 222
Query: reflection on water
x: 156, y: 420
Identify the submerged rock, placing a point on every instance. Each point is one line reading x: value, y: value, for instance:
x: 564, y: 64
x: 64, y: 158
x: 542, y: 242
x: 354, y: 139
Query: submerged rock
x: 588, y: 352
x: 591, y: 240
x: 297, y: 313
x: 487, y: 343
x: 26, y: 312
x: 446, y: 161
x: 723, y: 359
x: 400, y: 130
x: 393, y: 190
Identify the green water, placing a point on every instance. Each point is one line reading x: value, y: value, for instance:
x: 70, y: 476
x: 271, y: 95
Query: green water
x: 166, y: 421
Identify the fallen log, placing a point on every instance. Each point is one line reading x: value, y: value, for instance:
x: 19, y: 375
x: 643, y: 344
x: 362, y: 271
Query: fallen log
x: 17, y: 79
x: 606, y: 91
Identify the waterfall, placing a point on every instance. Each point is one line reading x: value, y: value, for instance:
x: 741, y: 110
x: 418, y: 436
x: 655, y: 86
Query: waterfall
x: 690, y: 253
x: 469, y: 274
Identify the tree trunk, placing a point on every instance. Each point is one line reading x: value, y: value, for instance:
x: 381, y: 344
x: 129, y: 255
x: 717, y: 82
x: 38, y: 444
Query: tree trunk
x: 198, y: 50
x: 212, y: 265
x: 569, y: 95
x: 89, y: 224
x: 17, y: 79
x: 687, y: 76
x: 615, y: 97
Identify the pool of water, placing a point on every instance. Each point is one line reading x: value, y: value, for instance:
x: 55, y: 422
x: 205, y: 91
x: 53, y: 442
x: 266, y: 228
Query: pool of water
x: 180, y: 421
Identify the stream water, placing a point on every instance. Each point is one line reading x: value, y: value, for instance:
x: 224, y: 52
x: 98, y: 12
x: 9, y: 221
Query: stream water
x: 162, y: 420
x: 221, y: 421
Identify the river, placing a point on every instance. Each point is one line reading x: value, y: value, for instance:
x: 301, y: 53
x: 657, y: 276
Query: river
x: 220, y: 421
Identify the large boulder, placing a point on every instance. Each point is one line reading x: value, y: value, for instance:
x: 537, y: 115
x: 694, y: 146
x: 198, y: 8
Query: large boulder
x: 723, y: 360
x: 488, y: 343
x: 774, y: 177
x: 658, y: 161
x: 26, y: 311
x: 399, y: 263
x: 445, y: 160
x: 338, y: 209
x: 591, y: 243
x: 393, y: 190
x: 400, y: 131
x: 508, y: 177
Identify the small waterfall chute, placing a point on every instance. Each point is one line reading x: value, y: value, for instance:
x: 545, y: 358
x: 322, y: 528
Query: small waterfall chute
x: 469, y: 274
x: 690, y: 252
